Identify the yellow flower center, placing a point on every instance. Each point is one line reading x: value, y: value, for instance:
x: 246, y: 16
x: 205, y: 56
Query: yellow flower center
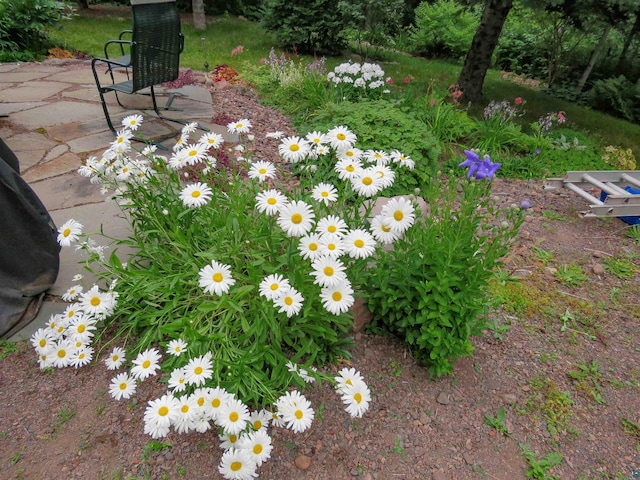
x: 325, y: 194
x: 239, y: 125
x: 257, y: 425
x: 274, y: 287
x: 359, y: 243
x: 336, y: 296
x: 215, y: 403
x: 349, y: 153
x: 235, y: 466
x: 95, y: 301
x: 62, y: 353
x: 357, y: 397
x: 123, y: 386
x: 288, y: 301
x: 332, y: 229
x: 67, y: 232
x: 125, y: 169
x: 197, y: 370
x: 385, y: 228
x: 341, y: 136
x: 42, y: 342
x: 217, y: 277
x: 331, y: 246
x: 296, y: 218
x: 71, y: 313
x: 348, y: 382
x: 193, y: 153
x: 328, y: 271
x: 313, y: 247
x: 262, y: 171
x: 233, y: 438
x: 81, y: 328
x: 257, y: 449
x: 294, y: 147
x: 271, y: 201
x: 200, y: 401
x: 185, y: 408
x: 163, y: 411
x: 195, y: 193
x: 146, y: 364
x: 350, y: 168
x: 233, y: 416
x: 367, y: 180
x: 299, y: 414
x: 398, y: 215
x: 115, y: 358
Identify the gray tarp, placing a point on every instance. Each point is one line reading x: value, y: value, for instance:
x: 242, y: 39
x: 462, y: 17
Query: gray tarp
x: 29, y: 252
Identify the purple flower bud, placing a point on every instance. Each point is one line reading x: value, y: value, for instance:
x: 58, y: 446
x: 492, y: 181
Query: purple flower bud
x: 525, y: 204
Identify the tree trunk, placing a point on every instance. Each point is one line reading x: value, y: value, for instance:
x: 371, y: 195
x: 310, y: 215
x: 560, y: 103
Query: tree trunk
x: 482, y: 47
x: 597, y: 52
x: 199, y: 20
x: 627, y: 43
x: 83, y: 3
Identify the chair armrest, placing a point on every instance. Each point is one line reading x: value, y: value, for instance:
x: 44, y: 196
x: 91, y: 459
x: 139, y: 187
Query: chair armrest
x: 123, y: 34
x: 181, y: 43
x: 121, y: 43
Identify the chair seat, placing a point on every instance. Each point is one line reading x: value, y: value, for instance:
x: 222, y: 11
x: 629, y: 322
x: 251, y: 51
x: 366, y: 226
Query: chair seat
x: 123, y: 87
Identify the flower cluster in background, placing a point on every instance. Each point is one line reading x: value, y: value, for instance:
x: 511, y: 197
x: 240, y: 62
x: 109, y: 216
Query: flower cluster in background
x: 355, y: 80
x: 503, y: 112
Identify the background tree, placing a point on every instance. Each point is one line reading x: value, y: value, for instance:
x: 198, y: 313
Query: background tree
x: 199, y: 19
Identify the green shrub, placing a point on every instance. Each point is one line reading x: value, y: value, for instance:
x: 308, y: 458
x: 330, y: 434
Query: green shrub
x: 430, y: 289
x: 384, y: 125
x: 443, y: 29
x: 376, y: 23
x: 616, y: 96
x: 25, y: 25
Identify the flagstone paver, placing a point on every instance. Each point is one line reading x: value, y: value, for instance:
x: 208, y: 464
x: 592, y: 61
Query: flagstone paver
x: 38, y: 90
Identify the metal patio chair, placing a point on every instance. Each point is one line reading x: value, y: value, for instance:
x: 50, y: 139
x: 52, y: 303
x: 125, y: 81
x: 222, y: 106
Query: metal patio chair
x: 150, y: 58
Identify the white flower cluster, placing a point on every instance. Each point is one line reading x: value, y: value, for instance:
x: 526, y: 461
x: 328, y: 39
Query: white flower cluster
x: 66, y: 340
x: 366, y: 75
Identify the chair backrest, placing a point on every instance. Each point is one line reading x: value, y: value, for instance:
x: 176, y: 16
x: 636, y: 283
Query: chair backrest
x: 156, y: 43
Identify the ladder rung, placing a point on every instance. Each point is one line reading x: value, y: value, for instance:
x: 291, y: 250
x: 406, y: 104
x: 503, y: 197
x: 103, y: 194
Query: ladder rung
x: 583, y: 194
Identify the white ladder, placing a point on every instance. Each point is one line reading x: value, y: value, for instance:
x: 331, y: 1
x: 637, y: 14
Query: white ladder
x: 619, y: 202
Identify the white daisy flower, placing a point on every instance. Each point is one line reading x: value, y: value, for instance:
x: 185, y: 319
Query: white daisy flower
x: 72, y: 312
x: 195, y: 153
x: 217, y: 398
x: 201, y: 397
x: 324, y: 193
x: 115, y: 359
x: 212, y: 140
x: 293, y: 149
x: 382, y: 232
x: 366, y: 183
x: 176, y: 347
x: 82, y: 356
x: 96, y: 303
x: 45, y: 359
x: 216, y: 278
x: 146, y: 364
x: 352, y: 154
x: 356, y: 398
x: 347, y: 168
x: 69, y: 232
x: 298, y: 417
x: 398, y: 214
x: 331, y: 245
x: 237, y: 464
x: 273, y: 285
x: 347, y: 377
x: 258, y: 444
x: 304, y: 374
x: 270, y: 201
x: 122, y: 386
x: 262, y: 170
x: 198, y: 370
x: 189, y: 128
x: 402, y: 159
x: 233, y: 416
x: 328, y: 271
x: 81, y: 328
x: 359, y: 243
x: 341, y: 137
x: 289, y: 302
x: 316, y: 138
x: 42, y: 339
x: 160, y: 415
x: 201, y: 421
x: 228, y: 440
x: 337, y: 299
x: 62, y: 352
x: 77, y: 277
x: 241, y: 126
x: 332, y: 224
x: 309, y: 246
x: 296, y: 218
x: 196, y: 195
x: 178, y: 380
x: 377, y: 156
x: 72, y: 293
x: 187, y: 408
x: 276, y: 135
x: 132, y: 122
x: 260, y: 419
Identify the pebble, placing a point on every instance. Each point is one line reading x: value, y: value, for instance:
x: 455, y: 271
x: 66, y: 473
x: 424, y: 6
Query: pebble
x: 443, y: 398
x: 438, y: 475
x: 509, y: 398
x: 302, y: 462
x: 597, y: 269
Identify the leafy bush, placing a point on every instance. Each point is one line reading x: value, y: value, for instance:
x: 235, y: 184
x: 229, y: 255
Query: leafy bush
x: 443, y: 29
x: 429, y: 290
x: 24, y: 27
x: 616, y: 96
x: 308, y: 26
x: 384, y: 125
x: 376, y: 23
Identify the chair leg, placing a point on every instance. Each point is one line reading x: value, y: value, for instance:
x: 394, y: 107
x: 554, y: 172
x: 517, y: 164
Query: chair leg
x: 101, y: 92
x: 155, y: 108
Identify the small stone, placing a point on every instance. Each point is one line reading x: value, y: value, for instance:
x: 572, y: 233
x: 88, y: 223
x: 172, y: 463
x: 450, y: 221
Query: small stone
x: 438, y: 475
x: 509, y: 398
x: 551, y: 270
x: 302, y: 462
x: 522, y: 273
x: 443, y: 398
x: 355, y: 472
x: 468, y: 458
x: 597, y: 269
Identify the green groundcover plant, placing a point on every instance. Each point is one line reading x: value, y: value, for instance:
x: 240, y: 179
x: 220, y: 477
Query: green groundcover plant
x: 235, y: 288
